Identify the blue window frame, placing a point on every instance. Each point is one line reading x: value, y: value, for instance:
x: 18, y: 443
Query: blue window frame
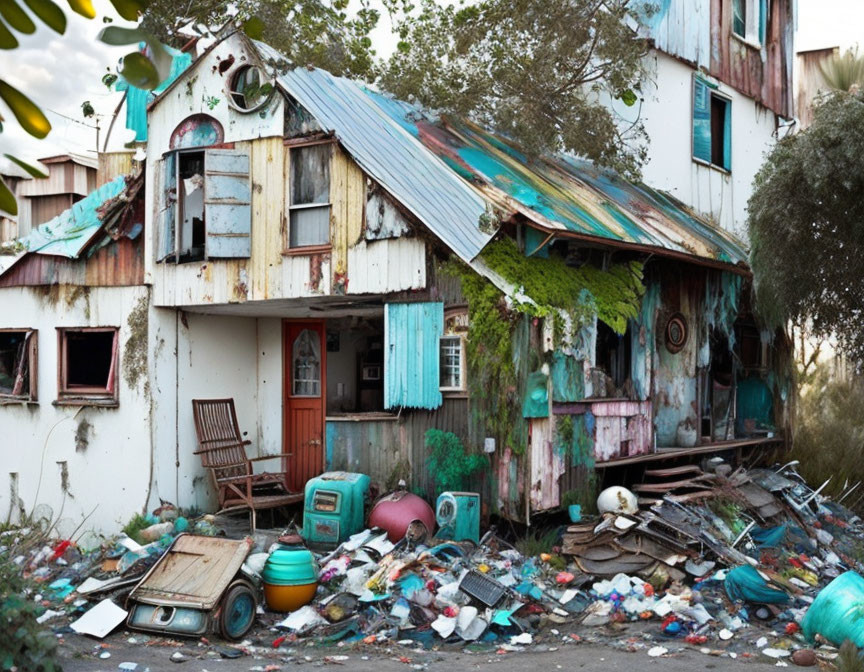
x: 712, y: 125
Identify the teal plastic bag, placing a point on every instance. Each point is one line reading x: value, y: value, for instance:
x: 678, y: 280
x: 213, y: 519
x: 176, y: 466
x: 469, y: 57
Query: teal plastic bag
x: 837, y: 613
x: 746, y: 584
x: 769, y: 537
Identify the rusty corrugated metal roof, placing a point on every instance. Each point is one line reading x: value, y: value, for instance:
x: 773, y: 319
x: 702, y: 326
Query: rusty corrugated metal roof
x: 565, y: 194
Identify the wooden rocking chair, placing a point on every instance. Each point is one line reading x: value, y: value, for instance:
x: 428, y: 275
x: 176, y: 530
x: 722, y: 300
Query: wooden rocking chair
x: 223, y: 454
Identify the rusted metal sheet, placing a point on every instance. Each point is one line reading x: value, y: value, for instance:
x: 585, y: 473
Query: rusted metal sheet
x: 622, y: 429
x: 810, y: 82
x: 547, y: 465
x: 194, y: 572
x: 568, y: 196
x: 763, y: 72
x: 119, y: 264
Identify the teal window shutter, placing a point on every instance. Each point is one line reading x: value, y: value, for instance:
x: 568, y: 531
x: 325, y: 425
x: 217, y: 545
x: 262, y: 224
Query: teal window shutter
x: 701, y: 120
x: 227, y: 204
x: 411, y: 355
x: 167, y: 234
x: 763, y: 21
x: 727, y: 135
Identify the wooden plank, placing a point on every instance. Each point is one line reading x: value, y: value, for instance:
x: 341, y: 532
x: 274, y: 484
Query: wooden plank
x: 673, y: 453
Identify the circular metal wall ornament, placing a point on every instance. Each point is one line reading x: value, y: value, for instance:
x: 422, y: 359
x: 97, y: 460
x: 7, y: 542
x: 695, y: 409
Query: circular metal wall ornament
x: 676, y: 333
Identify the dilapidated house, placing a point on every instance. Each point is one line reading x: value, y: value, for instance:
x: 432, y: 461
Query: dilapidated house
x: 354, y: 271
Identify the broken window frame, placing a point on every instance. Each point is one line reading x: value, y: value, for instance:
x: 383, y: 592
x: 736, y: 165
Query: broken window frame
x: 30, y: 360
x: 169, y: 212
x: 293, y: 148
x: 82, y: 395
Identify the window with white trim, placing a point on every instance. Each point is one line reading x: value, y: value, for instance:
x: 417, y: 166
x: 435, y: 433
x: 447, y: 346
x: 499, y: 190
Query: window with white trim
x: 749, y: 19
x: 452, y: 362
x: 17, y: 365
x: 309, y: 220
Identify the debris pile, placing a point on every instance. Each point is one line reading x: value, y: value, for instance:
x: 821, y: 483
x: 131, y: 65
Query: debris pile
x: 734, y: 563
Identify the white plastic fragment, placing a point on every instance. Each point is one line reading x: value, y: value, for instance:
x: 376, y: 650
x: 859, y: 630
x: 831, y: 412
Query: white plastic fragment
x: 657, y: 651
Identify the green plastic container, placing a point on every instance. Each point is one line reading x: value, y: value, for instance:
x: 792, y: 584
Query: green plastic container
x: 837, y: 613
x: 290, y: 566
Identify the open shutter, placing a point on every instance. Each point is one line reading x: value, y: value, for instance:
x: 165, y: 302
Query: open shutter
x: 727, y: 135
x: 227, y: 204
x: 701, y: 120
x: 763, y: 21
x: 167, y: 234
x: 411, y: 357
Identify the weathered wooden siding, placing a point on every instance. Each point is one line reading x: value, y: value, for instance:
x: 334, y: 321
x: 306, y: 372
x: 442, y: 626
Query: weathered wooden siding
x: 388, y: 449
x: 699, y: 32
x: 764, y: 74
x: 113, y: 164
x: 353, y: 265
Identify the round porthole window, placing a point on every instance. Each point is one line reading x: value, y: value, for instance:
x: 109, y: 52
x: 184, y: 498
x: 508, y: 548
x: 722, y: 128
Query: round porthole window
x: 249, y: 89
x: 676, y: 333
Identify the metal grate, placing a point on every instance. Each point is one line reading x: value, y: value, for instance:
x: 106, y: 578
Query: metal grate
x: 482, y: 588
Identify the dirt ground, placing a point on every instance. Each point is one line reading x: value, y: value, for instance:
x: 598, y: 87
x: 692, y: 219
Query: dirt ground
x: 81, y: 654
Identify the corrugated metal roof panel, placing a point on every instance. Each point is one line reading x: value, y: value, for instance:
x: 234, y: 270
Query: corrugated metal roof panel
x: 565, y: 193
x: 69, y: 232
x: 387, y: 152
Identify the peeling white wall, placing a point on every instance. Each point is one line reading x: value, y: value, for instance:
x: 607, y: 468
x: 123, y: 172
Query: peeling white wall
x: 667, y: 113
x: 108, y: 477
x: 218, y: 356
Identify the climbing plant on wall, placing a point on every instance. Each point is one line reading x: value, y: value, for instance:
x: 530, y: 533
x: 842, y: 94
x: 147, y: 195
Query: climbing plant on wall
x: 498, y: 351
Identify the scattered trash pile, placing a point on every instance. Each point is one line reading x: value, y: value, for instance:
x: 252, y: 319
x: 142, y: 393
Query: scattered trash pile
x: 734, y: 563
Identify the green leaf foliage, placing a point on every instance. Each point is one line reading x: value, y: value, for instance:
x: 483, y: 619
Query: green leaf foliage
x: 83, y: 7
x: 16, y: 17
x: 616, y: 294
x: 806, y: 222
x: 31, y: 170
x: 7, y: 39
x: 139, y: 71
x: 24, y: 644
x: 533, y: 70
x: 128, y: 9
x: 25, y: 110
x: 49, y: 13
x: 7, y: 199
x: 448, y: 463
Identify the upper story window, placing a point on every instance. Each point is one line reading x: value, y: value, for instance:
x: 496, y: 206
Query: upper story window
x: 17, y: 365
x: 204, y: 205
x: 712, y: 125
x: 749, y: 20
x: 309, y: 220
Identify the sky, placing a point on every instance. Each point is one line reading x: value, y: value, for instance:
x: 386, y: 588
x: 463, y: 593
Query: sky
x: 61, y: 72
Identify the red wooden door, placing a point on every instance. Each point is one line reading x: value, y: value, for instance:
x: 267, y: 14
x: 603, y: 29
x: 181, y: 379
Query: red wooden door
x: 305, y: 393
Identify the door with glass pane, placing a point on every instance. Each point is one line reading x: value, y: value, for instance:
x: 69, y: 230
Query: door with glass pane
x: 305, y: 388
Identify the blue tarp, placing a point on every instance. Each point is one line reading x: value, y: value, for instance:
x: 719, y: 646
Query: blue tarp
x: 137, y: 99
x: 70, y: 231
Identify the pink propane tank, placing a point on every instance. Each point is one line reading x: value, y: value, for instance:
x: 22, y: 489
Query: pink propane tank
x: 395, y: 513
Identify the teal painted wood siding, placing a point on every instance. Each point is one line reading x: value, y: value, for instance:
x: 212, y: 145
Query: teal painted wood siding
x: 411, y: 357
